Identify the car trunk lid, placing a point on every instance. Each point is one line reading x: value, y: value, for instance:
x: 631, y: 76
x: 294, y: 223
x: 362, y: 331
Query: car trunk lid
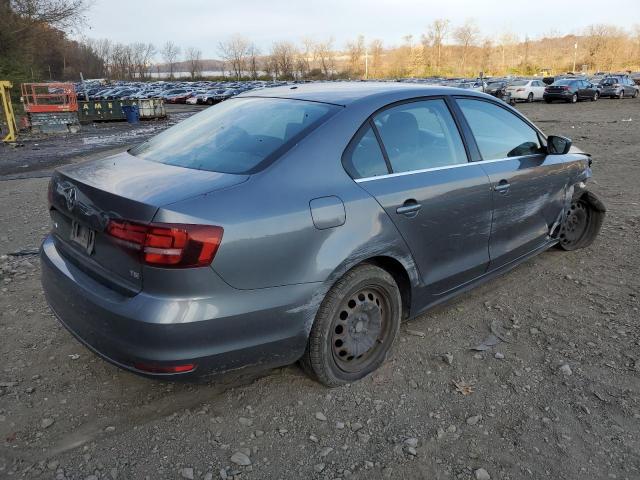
x: 85, y: 197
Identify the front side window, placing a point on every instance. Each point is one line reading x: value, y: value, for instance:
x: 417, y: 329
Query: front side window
x: 420, y: 135
x: 498, y: 132
x: 236, y: 136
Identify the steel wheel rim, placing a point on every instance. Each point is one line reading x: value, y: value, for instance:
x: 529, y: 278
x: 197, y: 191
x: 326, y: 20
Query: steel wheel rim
x: 575, y: 225
x: 360, y: 329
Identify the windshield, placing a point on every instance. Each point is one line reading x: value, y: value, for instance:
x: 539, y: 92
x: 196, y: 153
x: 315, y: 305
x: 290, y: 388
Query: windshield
x: 519, y: 83
x: 235, y: 136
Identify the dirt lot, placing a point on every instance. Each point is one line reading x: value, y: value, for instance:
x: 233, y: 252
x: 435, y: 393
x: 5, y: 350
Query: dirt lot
x: 559, y: 398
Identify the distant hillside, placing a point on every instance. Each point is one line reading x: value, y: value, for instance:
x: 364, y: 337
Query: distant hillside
x: 207, y: 65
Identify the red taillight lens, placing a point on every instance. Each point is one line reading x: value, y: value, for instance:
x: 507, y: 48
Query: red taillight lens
x: 169, y: 245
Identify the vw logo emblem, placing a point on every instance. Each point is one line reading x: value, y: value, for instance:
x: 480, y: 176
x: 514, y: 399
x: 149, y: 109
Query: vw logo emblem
x: 70, y: 198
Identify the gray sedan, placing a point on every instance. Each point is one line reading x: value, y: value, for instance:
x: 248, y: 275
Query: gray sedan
x: 304, y: 223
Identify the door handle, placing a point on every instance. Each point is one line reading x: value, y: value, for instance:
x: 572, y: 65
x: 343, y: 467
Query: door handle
x: 409, y: 208
x: 502, y: 187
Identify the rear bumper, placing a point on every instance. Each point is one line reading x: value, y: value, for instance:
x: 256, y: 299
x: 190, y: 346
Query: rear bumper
x: 231, y: 329
x: 519, y: 95
x: 558, y: 96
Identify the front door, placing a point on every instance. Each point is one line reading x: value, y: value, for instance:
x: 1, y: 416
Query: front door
x: 440, y: 203
x: 528, y: 186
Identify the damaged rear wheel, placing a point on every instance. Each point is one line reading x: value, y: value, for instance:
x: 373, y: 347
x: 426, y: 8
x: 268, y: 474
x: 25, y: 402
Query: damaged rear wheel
x: 582, y: 224
x: 355, y: 327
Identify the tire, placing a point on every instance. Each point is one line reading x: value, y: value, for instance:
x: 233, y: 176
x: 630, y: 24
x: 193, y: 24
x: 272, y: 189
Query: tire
x: 530, y: 97
x: 209, y: 101
x: 595, y: 97
x: 621, y: 95
x: 548, y: 100
x: 635, y: 94
x: 574, y: 98
x: 582, y: 225
x: 365, y: 303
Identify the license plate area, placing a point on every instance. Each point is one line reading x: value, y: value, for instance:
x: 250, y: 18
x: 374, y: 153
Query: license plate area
x: 82, y: 236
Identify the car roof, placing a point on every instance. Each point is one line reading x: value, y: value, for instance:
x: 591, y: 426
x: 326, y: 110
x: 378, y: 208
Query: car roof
x: 345, y: 93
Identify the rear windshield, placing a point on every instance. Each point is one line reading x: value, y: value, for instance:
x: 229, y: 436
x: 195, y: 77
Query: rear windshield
x: 610, y: 81
x: 564, y: 82
x: 235, y: 136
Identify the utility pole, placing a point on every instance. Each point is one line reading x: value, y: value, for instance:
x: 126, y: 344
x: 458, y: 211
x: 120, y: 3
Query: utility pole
x: 366, y: 64
x: 575, y: 54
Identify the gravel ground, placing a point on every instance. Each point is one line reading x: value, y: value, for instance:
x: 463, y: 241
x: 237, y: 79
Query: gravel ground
x: 557, y: 398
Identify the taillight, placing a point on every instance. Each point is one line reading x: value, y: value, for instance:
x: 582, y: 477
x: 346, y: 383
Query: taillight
x: 167, y: 244
x: 565, y: 88
x: 152, y: 368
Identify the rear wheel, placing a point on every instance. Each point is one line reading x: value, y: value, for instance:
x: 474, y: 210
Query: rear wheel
x: 209, y: 101
x: 595, y: 97
x: 354, y: 328
x: 581, y: 226
x: 621, y: 95
x: 574, y: 98
x: 635, y: 94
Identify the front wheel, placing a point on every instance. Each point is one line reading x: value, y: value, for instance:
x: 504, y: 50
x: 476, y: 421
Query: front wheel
x: 574, y: 98
x: 581, y: 226
x: 635, y: 94
x: 354, y: 328
x: 595, y: 97
x: 530, y: 98
x: 621, y: 95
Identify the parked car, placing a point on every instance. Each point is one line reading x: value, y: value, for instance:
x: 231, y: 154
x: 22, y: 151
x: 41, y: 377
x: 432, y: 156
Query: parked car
x: 526, y: 90
x: 571, y: 90
x: 476, y: 86
x: 618, y: 86
x: 498, y: 89
x: 176, y: 257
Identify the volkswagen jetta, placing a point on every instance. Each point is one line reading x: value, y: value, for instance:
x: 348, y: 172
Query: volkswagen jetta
x: 304, y: 223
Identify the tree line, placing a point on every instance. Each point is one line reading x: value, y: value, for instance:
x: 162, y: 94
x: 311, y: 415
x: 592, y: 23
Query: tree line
x: 443, y: 49
x: 34, y: 45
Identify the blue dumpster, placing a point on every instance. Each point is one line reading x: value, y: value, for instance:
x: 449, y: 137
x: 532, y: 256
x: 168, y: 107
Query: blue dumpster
x: 132, y: 113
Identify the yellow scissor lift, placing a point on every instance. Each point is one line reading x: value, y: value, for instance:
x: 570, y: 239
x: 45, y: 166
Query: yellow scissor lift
x: 5, y: 98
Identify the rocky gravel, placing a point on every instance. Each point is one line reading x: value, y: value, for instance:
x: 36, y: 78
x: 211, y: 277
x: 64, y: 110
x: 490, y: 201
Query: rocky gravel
x: 533, y: 375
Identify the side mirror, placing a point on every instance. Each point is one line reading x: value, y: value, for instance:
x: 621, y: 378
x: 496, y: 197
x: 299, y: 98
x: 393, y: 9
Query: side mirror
x: 557, y: 145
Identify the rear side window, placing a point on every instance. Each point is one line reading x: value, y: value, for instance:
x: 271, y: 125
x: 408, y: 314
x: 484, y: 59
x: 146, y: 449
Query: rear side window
x: 236, y: 136
x: 420, y: 135
x: 498, y: 132
x: 363, y: 158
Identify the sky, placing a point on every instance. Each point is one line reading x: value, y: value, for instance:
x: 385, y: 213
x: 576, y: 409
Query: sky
x: 203, y: 24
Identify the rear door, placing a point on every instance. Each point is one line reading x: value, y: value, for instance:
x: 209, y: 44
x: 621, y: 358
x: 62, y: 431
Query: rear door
x: 528, y: 186
x: 440, y: 203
